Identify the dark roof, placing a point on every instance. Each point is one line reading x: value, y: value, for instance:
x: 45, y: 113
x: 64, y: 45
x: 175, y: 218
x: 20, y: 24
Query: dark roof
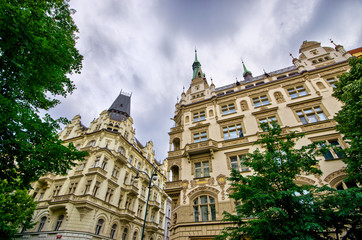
x: 121, y: 108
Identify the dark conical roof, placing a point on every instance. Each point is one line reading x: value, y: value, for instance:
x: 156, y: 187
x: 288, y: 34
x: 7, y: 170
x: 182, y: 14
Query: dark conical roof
x: 121, y: 107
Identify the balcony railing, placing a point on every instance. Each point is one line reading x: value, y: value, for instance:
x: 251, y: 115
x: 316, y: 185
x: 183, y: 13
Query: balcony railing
x: 200, y: 147
x: 174, y: 184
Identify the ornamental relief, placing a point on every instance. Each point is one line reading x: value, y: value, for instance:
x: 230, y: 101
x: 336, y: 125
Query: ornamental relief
x: 333, y: 175
x: 318, y: 126
x: 202, y: 182
x: 221, y: 181
x: 201, y: 190
x: 304, y: 179
x: 184, y: 184
x: 235, y: 142
x: 334, y: 71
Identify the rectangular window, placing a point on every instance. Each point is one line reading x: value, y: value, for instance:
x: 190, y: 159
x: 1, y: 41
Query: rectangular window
x: 260, y: 101
x: 199, y: 116
x: 232, y: 131
x: 72, y: 188
x: 296, y: 92
x: 268, y: 120
x: 311, y: 115
x: 228, y: 109
x: 96, y: 163
x: 332, y: 82
x: 200, y: 137
x: 202, y: 169
x: 330, y: 154
x: 95, y: 189
x: 236, y: 162
x: 104, y: 164
x: 115, y: 172
x: 87, y: 186
x: 57, y: 190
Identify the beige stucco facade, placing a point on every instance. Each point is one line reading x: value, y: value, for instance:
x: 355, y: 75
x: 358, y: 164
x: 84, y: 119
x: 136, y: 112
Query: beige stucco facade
x: 101, y: 198
x: 215, y: 126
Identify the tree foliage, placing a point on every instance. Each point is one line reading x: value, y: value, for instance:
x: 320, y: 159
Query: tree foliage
x: 270, y: 205
x: 37, y: 54
x: 349, y: 91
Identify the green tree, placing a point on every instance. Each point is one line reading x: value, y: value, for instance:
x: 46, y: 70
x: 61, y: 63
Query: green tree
x: 37, y: 55
x: 349, y: 91
x: 269, y: 204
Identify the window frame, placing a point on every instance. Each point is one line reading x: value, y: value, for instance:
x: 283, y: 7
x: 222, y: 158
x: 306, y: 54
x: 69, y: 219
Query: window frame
x: 198, y: 207
x: 202, y: 136
x: 198, y: 116
x: 202, y: 168
x: 225, y: 128
x: 228, y: 108
x: 260, y: 100
x: 315, y: 113
x: 293, y: 90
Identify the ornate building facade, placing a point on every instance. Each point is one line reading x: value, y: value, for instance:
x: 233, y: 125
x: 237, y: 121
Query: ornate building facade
x: 215, y: 127
x: 103, y: 197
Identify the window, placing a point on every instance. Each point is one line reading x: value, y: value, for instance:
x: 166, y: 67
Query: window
x: 138, y: 166
x: 311, y: 115
x: 345, y: 185
x: 57, y: 190
x: 42, y: 223
x: 95, y: 189
x: 268, y: 120
x: 72, y: 188
x: 96, y: 162
x: 135, y: 236
x: 121, y: 150
x: 59, y: 222
x: 81, y: 167
x: 120, y: 201
x: 124, y: 235
x: 104, y: 164
x: 143, y: 190
x: 260, y: 101
x: 228, y: 109
x: 139, y: 210
x: 115, y: 172
x: 125, y: 178
x: 296, y: 92
x: 199, y: 116
x: 202, y: 169
x: 204, y: 209
x: 92, y: 143
x: 236, y: 162
x: 232, y: 131
x: 99, y: 226
x: 109, y: 195
x: 332, y: 82
x: 87, y: 186
x: 113, y: 231
x: 333, y: 153
x: 200, y: 137
x: 130, y: 159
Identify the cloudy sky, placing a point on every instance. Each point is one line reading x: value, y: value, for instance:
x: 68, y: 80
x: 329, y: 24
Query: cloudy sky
x: 146, y: 47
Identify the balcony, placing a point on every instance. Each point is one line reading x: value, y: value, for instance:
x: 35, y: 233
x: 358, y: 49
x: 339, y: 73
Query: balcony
x: 131, y: 189
x: 208, y: 146
x: 97, y: 170
x: 126, y: 214
x: 63, y: 198
x: 176, y: 130
x: 174, y: 185
x: 175, y: 153
x: 154, y: 204
x: 152, y: 226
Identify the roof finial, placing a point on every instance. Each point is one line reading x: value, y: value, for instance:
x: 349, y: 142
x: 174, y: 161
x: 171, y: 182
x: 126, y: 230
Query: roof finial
x: 265, y: 73
x: 333, y: 42
x: 291, y: 55
x: 195, y: 54
x: 183, y: 89
x: 211, y: 80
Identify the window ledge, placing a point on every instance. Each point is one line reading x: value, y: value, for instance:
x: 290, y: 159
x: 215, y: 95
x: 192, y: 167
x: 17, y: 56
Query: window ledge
x: 334, y: 159
x: 300, y: 97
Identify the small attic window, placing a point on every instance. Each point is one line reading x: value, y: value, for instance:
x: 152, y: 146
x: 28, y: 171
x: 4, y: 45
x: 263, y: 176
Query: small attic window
x: 314, y: 61
x: 282, y: 76
x: 199, y: 74
x: 314, y: 52
x: 258, y: 83
x: 320, y: 60
x: 121, y: 105
x: 230, y: 91
x: 249, y: 86
x: 293, y: 73
x: 220, y: 94
x: 326, y: 58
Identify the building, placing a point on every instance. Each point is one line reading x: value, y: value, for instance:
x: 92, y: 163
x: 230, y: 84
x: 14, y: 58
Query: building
x: 105, y: 196
x: 214, y: 127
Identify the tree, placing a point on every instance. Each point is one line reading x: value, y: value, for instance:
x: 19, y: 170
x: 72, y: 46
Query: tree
x: 37, y: 54
x: 270, y: 205
x: 349, y: 91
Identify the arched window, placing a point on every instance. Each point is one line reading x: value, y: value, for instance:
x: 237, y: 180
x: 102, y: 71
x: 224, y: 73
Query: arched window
x: 92, y: 143
x: 130, y: 159
x: 175, y: 173
x: 99, y: 226
x: 124, y: 235
x: 135, y: 236
x: 121, y: 150
x: 113, y: 230
x: 176, y: 144
x: 41, y: 224
x: 345, y: 185
x: 59, y: 222
x: 204, y: 208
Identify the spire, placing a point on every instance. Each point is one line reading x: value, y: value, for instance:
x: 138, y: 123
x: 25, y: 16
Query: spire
x: 248, y: 76
x: 121, y: 107
x: 195, y: 66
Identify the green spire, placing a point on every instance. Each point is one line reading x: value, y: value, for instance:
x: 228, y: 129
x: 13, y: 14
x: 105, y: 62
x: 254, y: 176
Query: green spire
x: 246, y: 71
x: 195, y: 66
